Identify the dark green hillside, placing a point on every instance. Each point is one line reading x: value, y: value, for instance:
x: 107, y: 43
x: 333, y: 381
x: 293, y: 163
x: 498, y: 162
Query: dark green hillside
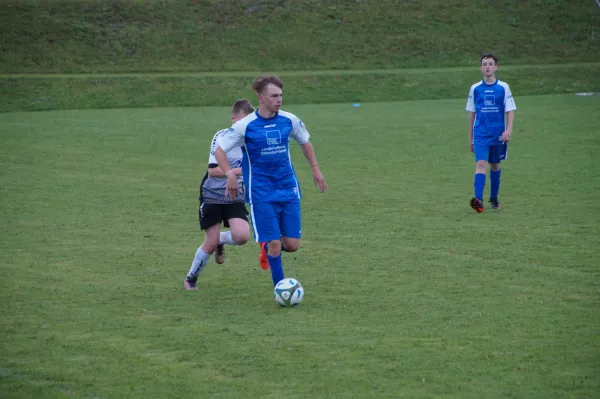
x: 65, y: 36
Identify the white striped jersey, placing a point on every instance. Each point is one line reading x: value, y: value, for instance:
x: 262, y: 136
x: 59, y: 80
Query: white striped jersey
x: 212, y: 189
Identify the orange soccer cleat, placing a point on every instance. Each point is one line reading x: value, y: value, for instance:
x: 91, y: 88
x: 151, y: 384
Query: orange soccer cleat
x: 262, y: 257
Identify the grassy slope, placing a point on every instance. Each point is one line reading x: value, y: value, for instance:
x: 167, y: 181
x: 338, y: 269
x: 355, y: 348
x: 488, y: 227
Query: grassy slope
x: 47, y: 93
x: 207, y: 35
x: 373, y: 45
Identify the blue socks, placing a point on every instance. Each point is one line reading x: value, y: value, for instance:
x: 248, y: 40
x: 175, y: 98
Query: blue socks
x: 495, y: 183
x: 479, y: 185
x: 275, y: 265
x: 276, y: 268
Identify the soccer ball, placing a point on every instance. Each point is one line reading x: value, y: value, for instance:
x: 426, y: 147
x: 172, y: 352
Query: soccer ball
x: 289, y: 292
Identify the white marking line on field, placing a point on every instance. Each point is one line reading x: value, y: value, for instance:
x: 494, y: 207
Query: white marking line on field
x: 74, y: 120
x: 15, y: 123
x: 284, y: 73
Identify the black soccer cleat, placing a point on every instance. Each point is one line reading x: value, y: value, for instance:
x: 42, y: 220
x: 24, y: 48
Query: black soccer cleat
x: 494, y: 204
x: 189, y: 284
x: 220, y: 254
x: 476, y: 204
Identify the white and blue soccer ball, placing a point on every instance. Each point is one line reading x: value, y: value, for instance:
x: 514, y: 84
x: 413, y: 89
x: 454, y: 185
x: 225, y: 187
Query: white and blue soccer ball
x: 289, y: 292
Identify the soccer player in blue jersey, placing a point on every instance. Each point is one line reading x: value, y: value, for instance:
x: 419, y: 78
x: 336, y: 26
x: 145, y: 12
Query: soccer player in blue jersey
x: 272, y: 189
x: 491, y: 107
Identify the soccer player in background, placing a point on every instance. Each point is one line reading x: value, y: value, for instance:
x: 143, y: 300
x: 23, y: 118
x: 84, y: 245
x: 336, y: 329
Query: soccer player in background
x: 491, y: 107
x: 272, y: 189
x: 216, y: 207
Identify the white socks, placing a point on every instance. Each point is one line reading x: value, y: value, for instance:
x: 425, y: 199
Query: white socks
x: 200, y: 260
x: 225, y: 238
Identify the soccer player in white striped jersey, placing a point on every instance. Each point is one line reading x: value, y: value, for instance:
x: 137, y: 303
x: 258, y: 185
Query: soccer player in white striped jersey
x: 272, y: 189
x: 491, y: 107
x: 216, y: 207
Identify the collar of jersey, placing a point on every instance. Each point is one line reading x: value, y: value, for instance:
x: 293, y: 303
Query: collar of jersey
x: 482, y: 81
x: 266, y: 119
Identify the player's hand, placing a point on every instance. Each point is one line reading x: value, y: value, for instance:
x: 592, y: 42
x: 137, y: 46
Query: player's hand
x: 506, y: 136
x: 231, y: 189
x: 319, y: 179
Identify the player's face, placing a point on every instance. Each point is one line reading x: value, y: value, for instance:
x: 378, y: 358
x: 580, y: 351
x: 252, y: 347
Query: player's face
x: 271, y: 98
x: 488, y: 67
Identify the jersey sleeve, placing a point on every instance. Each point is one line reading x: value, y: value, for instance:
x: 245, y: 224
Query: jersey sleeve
x: 471, y: 101
x: 509, y: 101
x: 299, y: 132
x: 233, y: 137
x: 213, y: 147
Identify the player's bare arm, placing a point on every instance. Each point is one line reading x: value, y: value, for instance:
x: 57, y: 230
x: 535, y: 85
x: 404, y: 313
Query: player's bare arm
x: 232, y: 183
x: 218, y: 172
x: 510, y: 117
x: 318, y: 178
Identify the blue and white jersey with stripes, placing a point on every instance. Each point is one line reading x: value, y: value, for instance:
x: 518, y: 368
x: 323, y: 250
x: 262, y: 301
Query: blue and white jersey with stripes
x: 489, y: 103
x: 267, y: 165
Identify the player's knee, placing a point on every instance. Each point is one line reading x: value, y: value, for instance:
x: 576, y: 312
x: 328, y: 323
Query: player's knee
x: 481, y: 166
x: 241, y: 240
x: 291, y: 246
x: 274, y: 247
x: 209, y: 247
x: 240, y: 237
x: 495, y: 167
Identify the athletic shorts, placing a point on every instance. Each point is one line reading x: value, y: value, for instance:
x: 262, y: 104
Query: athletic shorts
x: 273, y: 220
x: 211, y: 214
x: 490, y: 153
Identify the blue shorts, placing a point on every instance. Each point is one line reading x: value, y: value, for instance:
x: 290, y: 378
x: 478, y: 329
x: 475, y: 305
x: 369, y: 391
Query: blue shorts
x: 272, y: 220
x: 490, y: 153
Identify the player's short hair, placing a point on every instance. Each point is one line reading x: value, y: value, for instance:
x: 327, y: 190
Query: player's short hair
x: 242, y: 106
x: 489, y: 55
x: 262, y: 81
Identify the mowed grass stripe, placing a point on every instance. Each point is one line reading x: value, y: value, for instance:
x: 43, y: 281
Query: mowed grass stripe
x: 317, y: 72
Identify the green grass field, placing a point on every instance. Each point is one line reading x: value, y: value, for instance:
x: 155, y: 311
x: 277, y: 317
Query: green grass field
x: 409, y: 293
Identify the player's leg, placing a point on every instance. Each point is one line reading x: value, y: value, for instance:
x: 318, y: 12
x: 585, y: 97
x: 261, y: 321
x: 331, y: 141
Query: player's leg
x: 291, y: 226
x: 289, y: 244
x: 265, y: 222
x: 235, y: 217
x: 239, y: 232
x: 210, y: 222
x: 497, y: 155
x: 481, y: 162
x: 258, y: 222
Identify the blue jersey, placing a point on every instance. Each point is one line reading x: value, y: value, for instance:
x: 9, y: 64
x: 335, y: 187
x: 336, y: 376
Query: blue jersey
x: 489, y: 103
x: 266, y: 165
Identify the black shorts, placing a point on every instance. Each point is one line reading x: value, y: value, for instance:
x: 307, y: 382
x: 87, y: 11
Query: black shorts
x: 211, y: 214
